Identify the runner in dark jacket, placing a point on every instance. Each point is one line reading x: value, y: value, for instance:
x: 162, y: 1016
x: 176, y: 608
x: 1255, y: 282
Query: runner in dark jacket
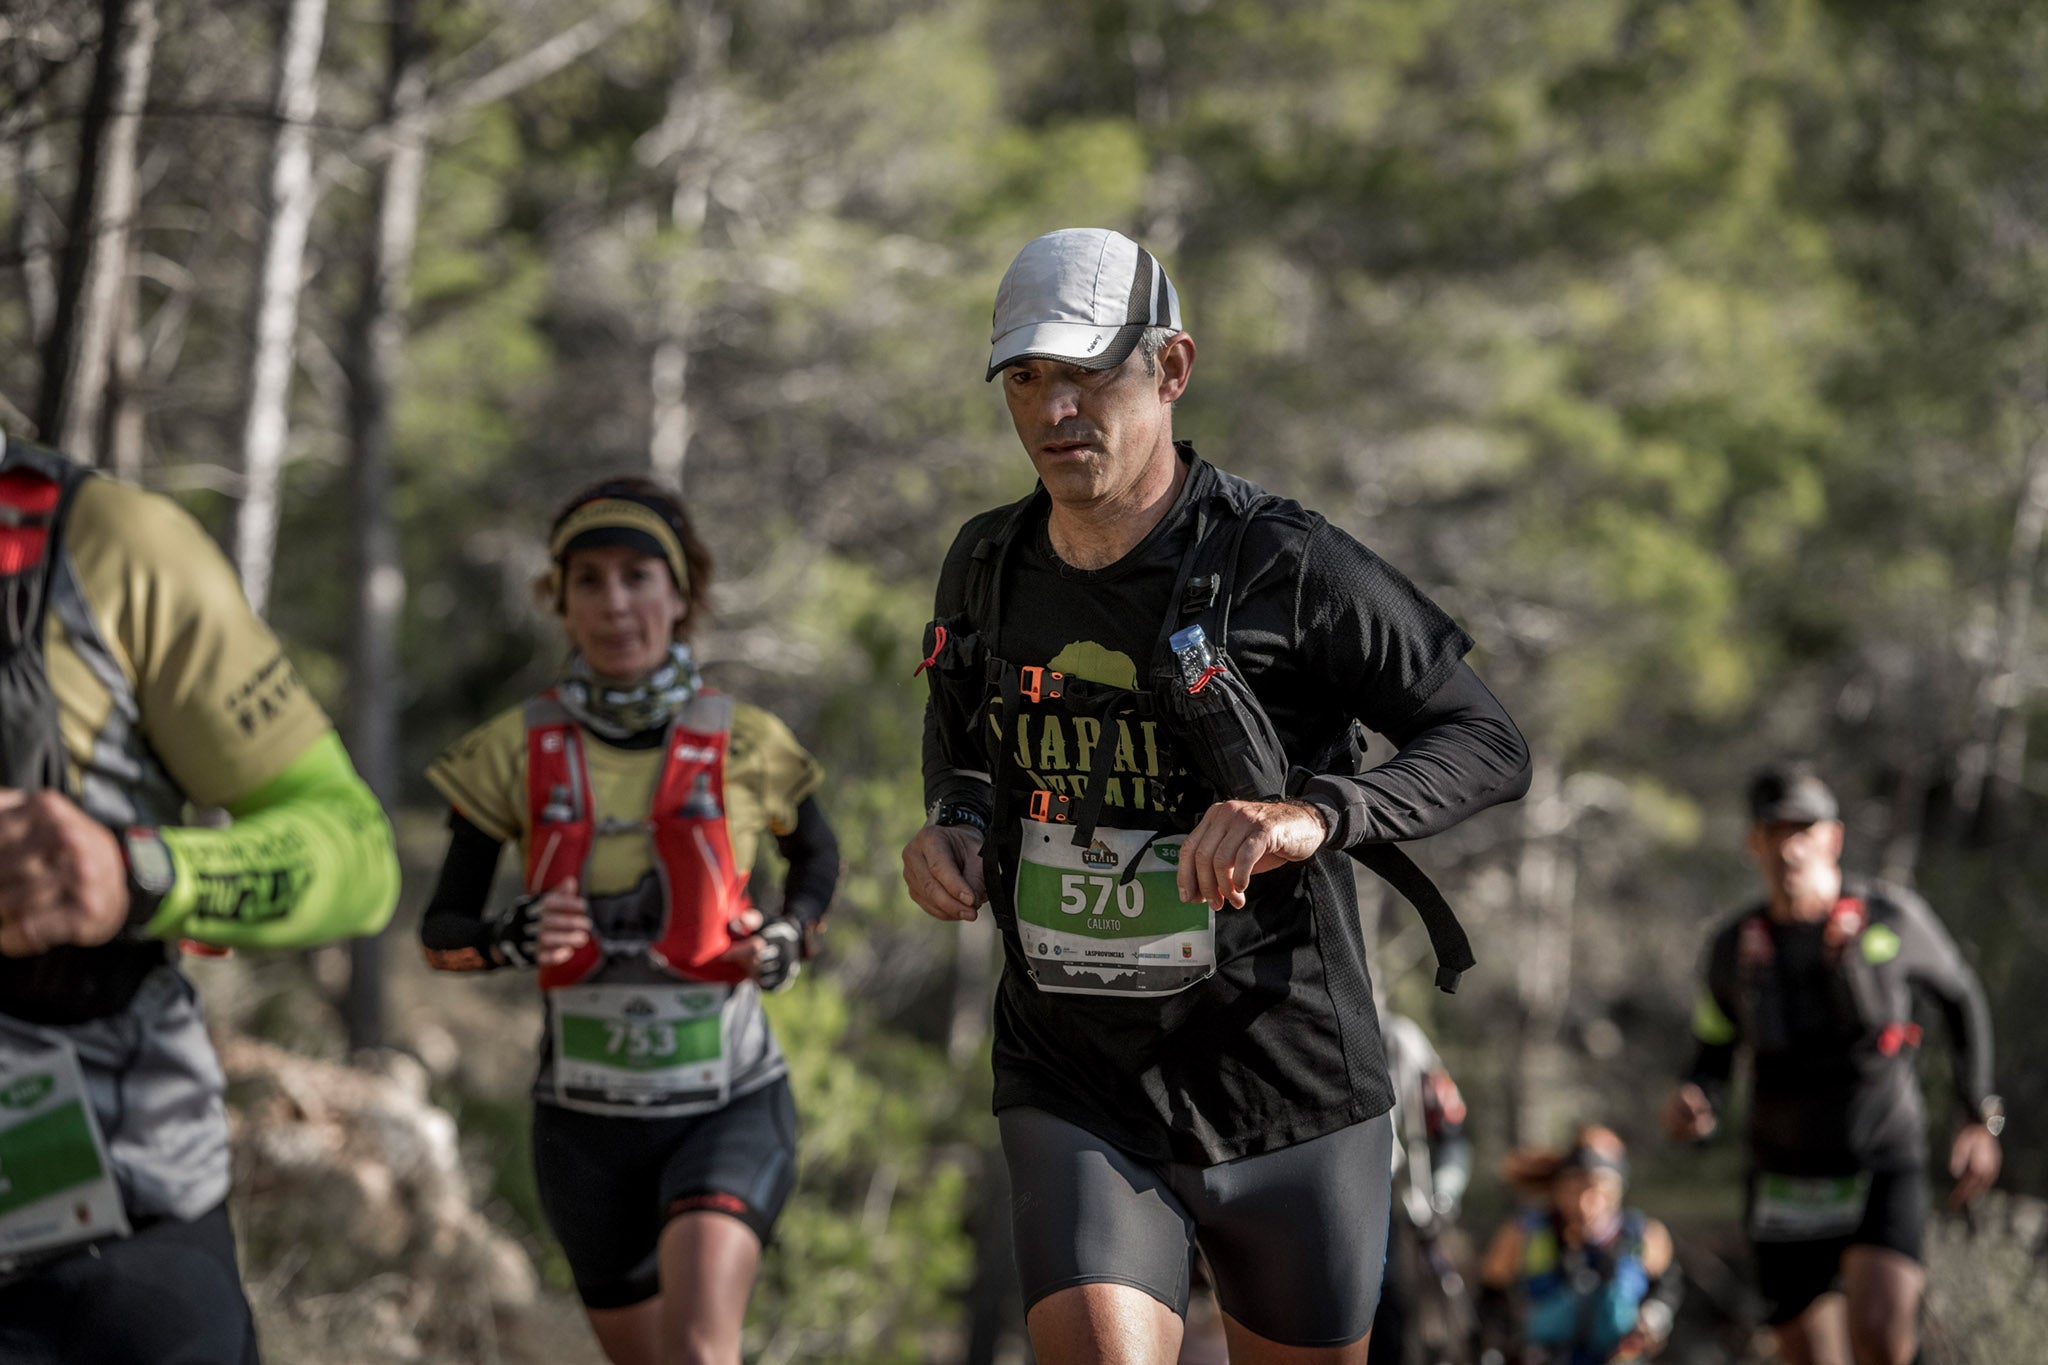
x: 1186, y: 1049
x: 1817, y: 985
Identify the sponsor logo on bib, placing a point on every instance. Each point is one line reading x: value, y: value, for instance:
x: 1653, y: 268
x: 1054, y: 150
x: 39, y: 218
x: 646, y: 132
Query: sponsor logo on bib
x: 27, y: 1092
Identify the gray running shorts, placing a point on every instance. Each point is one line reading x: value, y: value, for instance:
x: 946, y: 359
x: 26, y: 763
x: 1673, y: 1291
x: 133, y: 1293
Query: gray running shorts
x: 1295, y: 1239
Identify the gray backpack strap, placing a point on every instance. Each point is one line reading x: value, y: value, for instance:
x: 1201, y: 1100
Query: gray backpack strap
x: 31, y: 747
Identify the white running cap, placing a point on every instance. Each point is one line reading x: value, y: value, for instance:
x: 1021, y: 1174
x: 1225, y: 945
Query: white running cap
x: 1082, y: 296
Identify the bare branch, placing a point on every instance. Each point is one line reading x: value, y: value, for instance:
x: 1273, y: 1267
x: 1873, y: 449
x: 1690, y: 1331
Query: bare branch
x: 434, y: 115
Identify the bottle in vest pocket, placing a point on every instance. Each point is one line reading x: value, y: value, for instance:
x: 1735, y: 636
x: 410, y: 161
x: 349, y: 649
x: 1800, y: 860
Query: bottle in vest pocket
x: 1194, y: 657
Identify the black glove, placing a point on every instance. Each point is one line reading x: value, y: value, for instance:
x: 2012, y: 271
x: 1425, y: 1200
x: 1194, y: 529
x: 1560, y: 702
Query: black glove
x: 782, y: 953
x: 515, y: 932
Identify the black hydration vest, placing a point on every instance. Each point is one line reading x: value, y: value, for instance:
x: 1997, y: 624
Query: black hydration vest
x: 1214, y: 717
x: 1865, y: 996
x: 67, y: 985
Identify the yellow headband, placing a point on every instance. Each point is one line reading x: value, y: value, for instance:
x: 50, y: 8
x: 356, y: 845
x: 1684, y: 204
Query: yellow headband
x: 624, y: 514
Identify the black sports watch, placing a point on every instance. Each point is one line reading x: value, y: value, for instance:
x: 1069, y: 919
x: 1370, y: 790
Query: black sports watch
x: 956, y: 813
x: 151, y: 873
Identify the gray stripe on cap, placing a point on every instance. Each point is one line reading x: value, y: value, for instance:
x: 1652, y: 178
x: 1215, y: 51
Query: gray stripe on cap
x: 1139, y: 306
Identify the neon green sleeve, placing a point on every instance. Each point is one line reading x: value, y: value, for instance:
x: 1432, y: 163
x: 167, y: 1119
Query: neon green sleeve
x: 308, y: 859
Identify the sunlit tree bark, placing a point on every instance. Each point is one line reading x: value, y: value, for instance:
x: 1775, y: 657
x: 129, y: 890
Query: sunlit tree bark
x: 377, y: 578
x: 274, y: 326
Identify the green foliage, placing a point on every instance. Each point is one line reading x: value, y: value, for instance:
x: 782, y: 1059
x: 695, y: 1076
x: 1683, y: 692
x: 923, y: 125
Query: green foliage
x: 873, y: 1250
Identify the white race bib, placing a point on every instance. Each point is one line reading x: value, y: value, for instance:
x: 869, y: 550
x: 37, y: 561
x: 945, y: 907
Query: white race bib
x: 655, y: 1051
x: 1108, y: 919
x: 1793, y: 1208
x: 56, y: 1187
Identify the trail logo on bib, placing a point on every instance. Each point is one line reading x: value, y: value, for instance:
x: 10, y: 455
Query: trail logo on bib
x: 27, y: 1092
x: 1099, y: 854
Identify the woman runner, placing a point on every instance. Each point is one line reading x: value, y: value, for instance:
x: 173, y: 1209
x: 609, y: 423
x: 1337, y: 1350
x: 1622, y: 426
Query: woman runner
x: 664, y: 1133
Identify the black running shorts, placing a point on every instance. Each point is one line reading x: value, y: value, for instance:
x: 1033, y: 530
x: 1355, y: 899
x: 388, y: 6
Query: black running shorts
x: 1792, y: 1274
x: 169, y: 1295
x: 1295, y: 1239
x: 610, y: 1185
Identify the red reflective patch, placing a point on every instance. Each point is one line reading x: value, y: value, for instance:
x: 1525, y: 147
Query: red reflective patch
x: 30, y: 497
x: 1845, y: 922
x: 1753, y: 946
x: 713, y: 1202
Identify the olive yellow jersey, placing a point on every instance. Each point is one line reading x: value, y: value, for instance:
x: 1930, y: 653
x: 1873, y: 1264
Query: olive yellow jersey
x: 169, y: 689
x: 767, y: 776
x: 166, y: 694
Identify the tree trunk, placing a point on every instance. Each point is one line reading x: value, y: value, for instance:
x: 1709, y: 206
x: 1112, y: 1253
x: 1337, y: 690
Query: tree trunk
x: 275, y: 318
x: 703, y: 36
x: 79, y: 351
x: 1997, y: 750
x: 1545, y: 885
x: 1165, y: 220
x: 124, y: 441
x: 378, y: 575
x: 975, y: 952
x: 32, y: 238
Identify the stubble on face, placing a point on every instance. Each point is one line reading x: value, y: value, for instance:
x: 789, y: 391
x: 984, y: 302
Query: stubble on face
x: 1092, y: 435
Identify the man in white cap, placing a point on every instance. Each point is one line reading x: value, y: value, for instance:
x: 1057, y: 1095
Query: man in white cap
x: 1145, y: 682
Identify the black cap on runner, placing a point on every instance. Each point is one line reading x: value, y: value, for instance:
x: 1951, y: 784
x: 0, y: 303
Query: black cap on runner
x: 1790, y: 793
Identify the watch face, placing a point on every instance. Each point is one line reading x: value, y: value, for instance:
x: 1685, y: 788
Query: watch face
x: 149, y: 863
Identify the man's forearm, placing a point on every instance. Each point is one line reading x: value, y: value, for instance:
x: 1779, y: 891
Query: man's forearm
x: 1460, y: 754
x: 308, y: 859
x: 948, y: 778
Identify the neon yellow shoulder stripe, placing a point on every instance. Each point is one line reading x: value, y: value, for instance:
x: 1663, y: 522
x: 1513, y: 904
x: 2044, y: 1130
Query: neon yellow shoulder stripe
x: 1709, y: 1024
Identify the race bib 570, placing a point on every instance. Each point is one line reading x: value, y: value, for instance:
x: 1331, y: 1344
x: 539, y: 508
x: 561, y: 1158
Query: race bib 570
x: 1108, y: 919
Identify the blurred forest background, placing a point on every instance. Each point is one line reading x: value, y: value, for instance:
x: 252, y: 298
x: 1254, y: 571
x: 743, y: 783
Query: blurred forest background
x: 1692, y: 353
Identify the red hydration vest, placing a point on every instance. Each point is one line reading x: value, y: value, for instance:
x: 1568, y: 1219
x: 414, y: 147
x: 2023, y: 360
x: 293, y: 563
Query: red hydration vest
x: 702, y: 887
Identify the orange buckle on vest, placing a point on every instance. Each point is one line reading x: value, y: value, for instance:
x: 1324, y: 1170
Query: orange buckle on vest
x: 1050, y: 807
x: 1896, y: 1037
x: 1039, y: 684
